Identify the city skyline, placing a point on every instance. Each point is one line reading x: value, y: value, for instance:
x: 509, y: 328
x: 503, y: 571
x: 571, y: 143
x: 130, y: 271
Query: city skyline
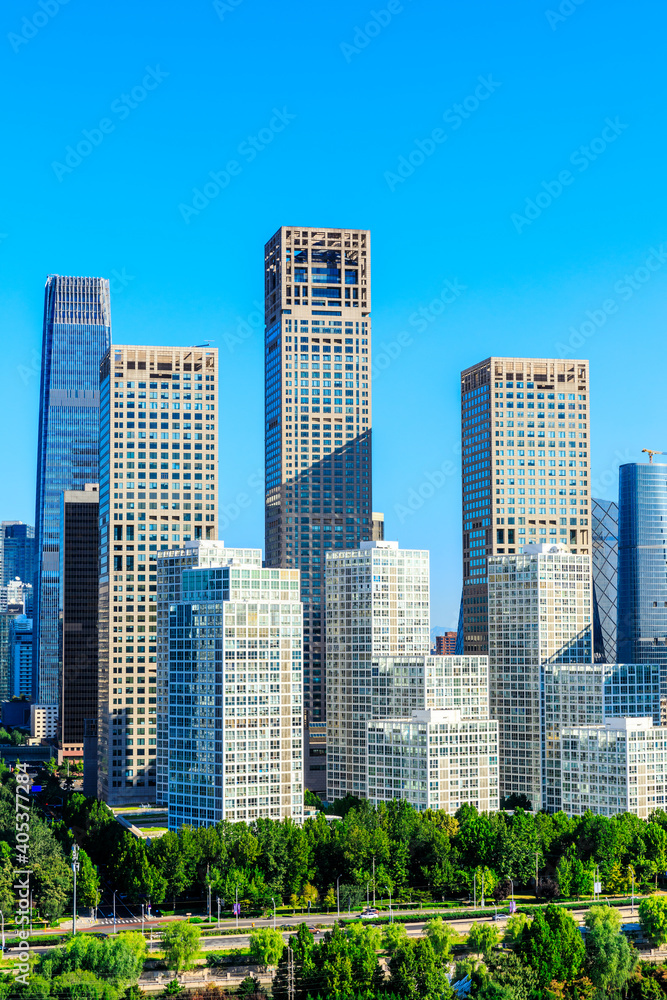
x: 471, y: 286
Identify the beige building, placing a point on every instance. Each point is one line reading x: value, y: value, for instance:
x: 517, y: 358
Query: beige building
x: 43, y: 721
x: 434, y: 760
x: 525, y: 432
x: 614, y: 768
x: 158, y: 489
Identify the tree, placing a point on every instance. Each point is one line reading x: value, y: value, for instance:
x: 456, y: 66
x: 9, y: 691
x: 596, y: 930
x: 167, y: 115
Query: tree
x: 442, y: 936
x: 653, y: 918
x: 310, y: 894
x: 514, y: 927
x: 181, y: 945
x: 394, y: 935
x: 266, y: 946
x: 87, y: 882
x: 330, y: 898
x: 516, y: 801
x: 483, y: 938
x: 417, y: 973
x: 548, y: 888
x: 610, y: 958
x: 551, y: 945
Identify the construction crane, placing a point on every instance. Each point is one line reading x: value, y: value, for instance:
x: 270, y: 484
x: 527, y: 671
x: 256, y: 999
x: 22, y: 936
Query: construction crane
x: 651, y: 454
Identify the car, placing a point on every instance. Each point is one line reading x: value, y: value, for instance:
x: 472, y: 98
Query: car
x: 157, y: 912
x: 370, y: 913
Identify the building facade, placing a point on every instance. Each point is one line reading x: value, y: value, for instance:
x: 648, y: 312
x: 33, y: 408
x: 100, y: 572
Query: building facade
x: 77, y: 333
x: 604, y: 550
x: 318, y: 415
x: 433, y: 760
x: 614, y: 768
x: 20, y: 656
x: 445, y: 645
x: 79, y: 584
x: 377, y: 604
x: 43, y: 721
x: 585, y: 695
x: 17, y: 552
x: 642, y: 565
x: 525, y: 469
x: 170, y: 565
x: 158, y: 488
x: 540, y: 612
x: 235, y: 689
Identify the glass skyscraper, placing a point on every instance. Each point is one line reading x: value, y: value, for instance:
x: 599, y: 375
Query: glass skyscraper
x: 604, y: 549
x: 17, y: 552
x: 642, y: 565
x: 76, y: 335
x: 318, y: 416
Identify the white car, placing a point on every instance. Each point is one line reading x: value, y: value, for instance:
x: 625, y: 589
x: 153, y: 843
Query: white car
x: 369, y: 914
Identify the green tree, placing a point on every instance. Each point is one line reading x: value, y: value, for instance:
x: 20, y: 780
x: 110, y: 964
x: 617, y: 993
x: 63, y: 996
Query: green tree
x: 653, y: 918
x: 87, y: 882
x: 417, y: 972
x: 514, y: 927
x: 483, y: 938
x: 181, y: 945
x: 52, y: 875
x: 394, y: 935
x: 551, y: 945
x: 82, y: 985
x: 441, y: 935
x: 266, y: 946
x: 610, y: 957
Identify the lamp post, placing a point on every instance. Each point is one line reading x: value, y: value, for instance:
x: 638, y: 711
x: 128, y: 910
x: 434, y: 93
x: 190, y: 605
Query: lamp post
x: 75, y: 868
x: 391, y: 915
x: 2, y: 917
x: 633, y: 895
x: 338, y: 893
x: 218, y: 902
x: 142, y: 919
x: 274, y: 912
x: 474, y: 890
x: 114, y: 912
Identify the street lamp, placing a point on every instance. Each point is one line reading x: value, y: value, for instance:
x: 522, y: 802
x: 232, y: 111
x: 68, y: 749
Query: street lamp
x: 218, y: 902
x: 2, y: 917
x: 274, y: 912
x: 142, y: 918
x: 114, y: 912
x: 338, y: 892
x: 391, y: 916
x: 75, y: 868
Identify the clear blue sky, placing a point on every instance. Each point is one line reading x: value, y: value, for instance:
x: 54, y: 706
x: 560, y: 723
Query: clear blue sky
x: 554, y: 83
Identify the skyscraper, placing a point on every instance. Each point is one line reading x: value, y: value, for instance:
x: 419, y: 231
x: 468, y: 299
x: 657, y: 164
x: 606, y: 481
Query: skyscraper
x: 17, y: 552
x: 604, y: 531
x: 77, y: 333
x: 642, y: 565
x: 79, y: 573
x: 540, y: 611
x: 525, y: 462
x: 377, y: 605
x: 20, y: 656
x: 158, y: 488
x: 318, y: 415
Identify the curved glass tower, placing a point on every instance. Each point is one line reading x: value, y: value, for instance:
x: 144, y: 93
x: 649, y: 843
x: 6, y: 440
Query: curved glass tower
x: 642, y: 565
x: 76, y: 335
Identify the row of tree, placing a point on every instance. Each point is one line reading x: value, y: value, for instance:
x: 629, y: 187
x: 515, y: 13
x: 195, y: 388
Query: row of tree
x: 391, y: 848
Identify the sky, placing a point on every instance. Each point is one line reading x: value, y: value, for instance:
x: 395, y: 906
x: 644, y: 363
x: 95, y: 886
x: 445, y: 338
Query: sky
x: 507, y: 158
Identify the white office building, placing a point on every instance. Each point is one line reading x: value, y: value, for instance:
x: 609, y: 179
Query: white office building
x: 235, y: 708
x: 377, y: 605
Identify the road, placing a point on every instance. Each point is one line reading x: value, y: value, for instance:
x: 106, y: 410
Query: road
x: 210, y: 942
